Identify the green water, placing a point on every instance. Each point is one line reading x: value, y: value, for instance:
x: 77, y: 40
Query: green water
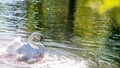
x: 72, y: 22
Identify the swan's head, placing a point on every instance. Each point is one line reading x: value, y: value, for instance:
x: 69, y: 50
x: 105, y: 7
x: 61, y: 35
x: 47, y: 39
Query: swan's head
x: 37, y: 36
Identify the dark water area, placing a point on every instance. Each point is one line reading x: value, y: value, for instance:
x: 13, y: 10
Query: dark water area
x: 67, y: 26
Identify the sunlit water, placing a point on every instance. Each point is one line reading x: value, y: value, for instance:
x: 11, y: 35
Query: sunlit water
x: 55, y: 56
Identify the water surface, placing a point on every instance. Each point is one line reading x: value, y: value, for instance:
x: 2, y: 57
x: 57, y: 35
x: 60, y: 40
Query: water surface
x: 74, y: 38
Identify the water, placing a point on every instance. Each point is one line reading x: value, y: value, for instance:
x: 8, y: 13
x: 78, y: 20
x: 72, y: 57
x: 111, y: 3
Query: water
x: 69, y: 45
x: 11, y: 26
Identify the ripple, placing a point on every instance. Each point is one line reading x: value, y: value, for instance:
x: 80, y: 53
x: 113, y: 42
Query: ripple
x: 51, y: 59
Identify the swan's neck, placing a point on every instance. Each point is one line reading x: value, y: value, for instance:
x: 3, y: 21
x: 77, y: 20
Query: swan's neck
x: 31, y: 42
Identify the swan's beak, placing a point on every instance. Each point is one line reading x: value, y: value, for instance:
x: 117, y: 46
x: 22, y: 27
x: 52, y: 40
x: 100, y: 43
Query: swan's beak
x: 42, y: 39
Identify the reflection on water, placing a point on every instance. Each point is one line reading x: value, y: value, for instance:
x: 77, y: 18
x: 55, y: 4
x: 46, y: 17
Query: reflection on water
x: 76, y: 36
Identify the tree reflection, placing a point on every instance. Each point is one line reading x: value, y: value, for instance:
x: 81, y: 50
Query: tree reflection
x: 47, y: 16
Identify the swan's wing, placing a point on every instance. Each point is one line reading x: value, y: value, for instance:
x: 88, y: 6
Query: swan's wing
x: 12, y: 46
x: 26, y: 50
x: 30, y: 52
x: 23, y: 48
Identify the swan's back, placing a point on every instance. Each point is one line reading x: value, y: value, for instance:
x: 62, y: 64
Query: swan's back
x: 12, y: 46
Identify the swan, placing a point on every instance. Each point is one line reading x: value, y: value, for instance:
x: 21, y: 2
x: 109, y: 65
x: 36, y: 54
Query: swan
x: 31, y: 49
